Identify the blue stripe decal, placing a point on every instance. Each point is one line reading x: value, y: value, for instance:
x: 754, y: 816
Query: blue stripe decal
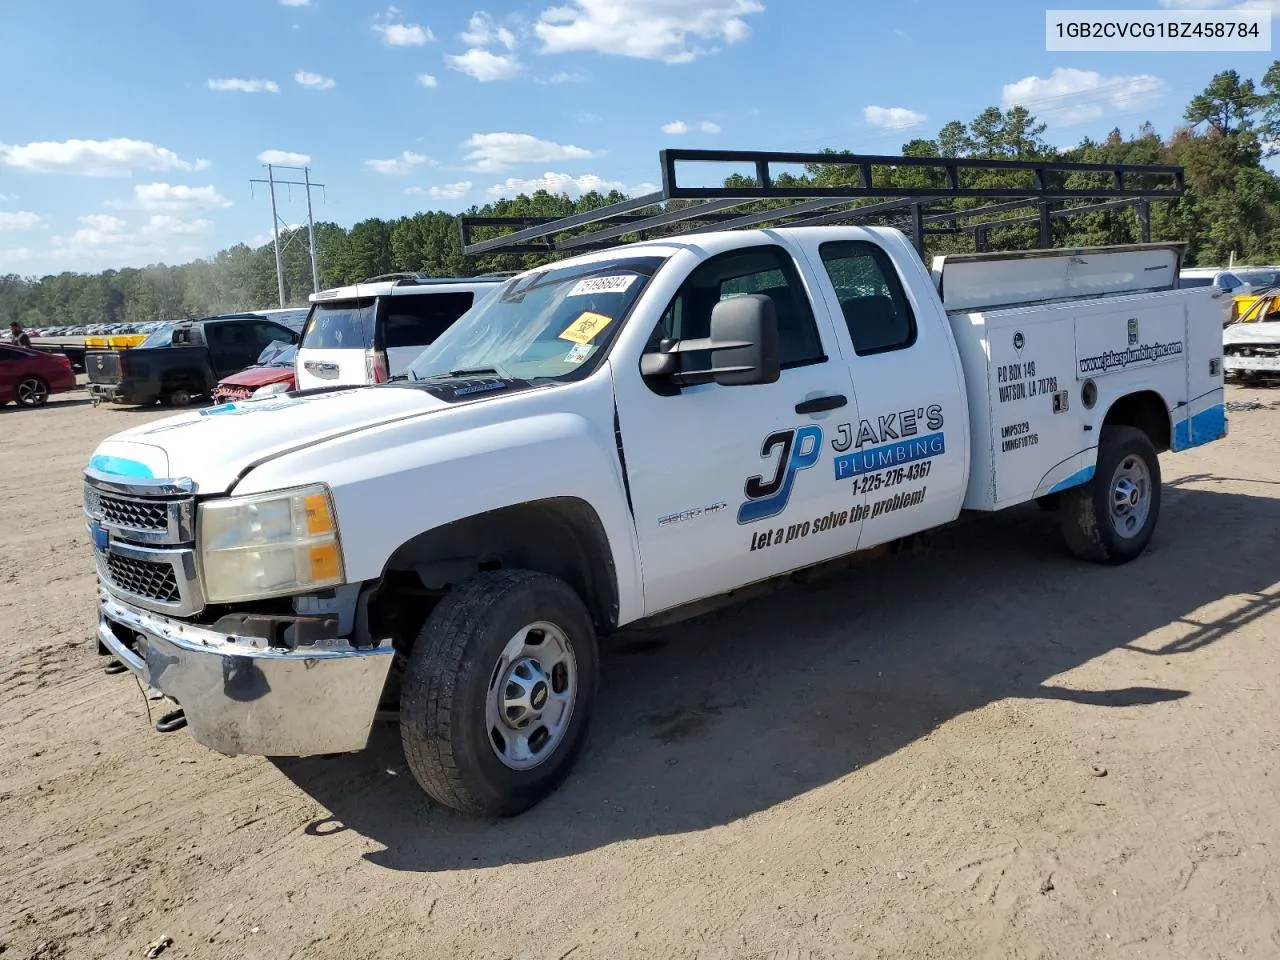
x: 1205, y: 427
x: 1077, y: 478
x: 120, y: 467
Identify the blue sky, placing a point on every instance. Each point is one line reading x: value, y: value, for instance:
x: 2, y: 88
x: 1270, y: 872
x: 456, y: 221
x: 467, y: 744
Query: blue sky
x: 131, y: 128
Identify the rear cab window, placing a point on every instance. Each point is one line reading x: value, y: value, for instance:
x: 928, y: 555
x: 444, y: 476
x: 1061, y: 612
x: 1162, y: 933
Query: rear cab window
x: 420, y: 319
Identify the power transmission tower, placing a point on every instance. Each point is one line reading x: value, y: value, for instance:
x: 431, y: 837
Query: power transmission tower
x: 276, y: 222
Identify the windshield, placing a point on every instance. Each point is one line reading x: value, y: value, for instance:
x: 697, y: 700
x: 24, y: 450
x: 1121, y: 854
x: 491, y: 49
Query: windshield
x: 550, y: 324
x: 1259, y: 278
x: 163, y: 337
x: 277, y: 354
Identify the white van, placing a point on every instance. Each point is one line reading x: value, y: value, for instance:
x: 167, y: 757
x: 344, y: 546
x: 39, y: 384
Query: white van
x: 371, y: 331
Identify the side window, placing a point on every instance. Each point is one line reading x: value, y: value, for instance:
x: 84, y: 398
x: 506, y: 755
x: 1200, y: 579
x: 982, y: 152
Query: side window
x: 764, y: 270
x: 268, y: 333
x: 226, y: 336
x: 418, y: 320
x: 874, y: 304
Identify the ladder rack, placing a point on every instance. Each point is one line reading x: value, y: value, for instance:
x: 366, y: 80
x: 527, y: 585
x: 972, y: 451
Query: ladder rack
x: 861, y: 193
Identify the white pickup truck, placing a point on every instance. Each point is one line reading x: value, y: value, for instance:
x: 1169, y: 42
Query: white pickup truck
x: 617, y: 439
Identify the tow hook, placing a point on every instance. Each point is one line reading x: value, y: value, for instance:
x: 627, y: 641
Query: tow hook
x: 174, y: 720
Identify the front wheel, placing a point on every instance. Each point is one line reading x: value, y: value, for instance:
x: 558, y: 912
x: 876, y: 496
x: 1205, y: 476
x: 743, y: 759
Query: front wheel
x: 1111, y: 518
x: 498, y: 692
x: 32, y: 392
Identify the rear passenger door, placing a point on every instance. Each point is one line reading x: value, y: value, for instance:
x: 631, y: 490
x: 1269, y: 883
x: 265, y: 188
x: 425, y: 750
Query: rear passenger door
x: 412, y: 322
x: 904, y: 458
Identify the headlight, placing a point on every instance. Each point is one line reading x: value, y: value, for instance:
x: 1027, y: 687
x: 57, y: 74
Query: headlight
x: 269, y: 545
x: 270, y: 390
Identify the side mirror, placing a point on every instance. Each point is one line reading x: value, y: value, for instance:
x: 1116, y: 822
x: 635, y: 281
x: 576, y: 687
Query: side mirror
x: 744, y: 337
x: 743, y: 346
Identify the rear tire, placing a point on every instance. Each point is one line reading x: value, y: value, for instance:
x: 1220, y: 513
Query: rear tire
x: 498, y: 692
x: 181, y: 397
x: 32, y: 392
x: 1111, y: 518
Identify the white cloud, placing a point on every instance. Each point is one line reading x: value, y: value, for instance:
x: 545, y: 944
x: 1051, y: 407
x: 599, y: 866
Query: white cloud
x: 484, y: 65
x: 236, y: 85
x: 16, y: 255
x: 449, y: 191
x: 481, y: 32
x: 316, y: 81
x: 296, y: 3
x: 1070, y: 96
x: 678, y: 128
x: 284, y: 158
x: 93, y: 158
x: 172, y: 197
x: 674, y: 31
x: 103, y: 241
x: 892, y: 117
x: 566, y: 184
x: 399, y: 166
x: 491, y: 152
x: 19, y: 220
x: 427, y: 80
x: 396, y: 33
x: 567, y: 76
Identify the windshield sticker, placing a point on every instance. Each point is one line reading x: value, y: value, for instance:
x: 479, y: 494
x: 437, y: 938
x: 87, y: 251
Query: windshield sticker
x: 578, y: 353
x: 619, y: 284
x: 584, y: 329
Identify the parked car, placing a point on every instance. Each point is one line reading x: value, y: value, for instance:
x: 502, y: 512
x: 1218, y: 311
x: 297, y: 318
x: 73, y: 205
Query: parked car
x: 372, y: 331
x: 30, y: 376
x: 183, y: 360
x: 273, y: 373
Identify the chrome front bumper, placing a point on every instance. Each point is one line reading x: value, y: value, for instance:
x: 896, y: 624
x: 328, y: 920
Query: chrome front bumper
x: 241, y: 697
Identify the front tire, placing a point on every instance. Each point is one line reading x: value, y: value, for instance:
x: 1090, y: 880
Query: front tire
x: 1111, y: 518
x: 498, y: 692
x: 32, y: 392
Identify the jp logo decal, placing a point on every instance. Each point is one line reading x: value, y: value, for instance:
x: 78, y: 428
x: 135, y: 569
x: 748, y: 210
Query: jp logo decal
x: 1133, y: 332
x: 799, y: 450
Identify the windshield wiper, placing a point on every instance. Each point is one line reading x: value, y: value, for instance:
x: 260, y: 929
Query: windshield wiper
x: 401, y: 377
x: 477, y: 372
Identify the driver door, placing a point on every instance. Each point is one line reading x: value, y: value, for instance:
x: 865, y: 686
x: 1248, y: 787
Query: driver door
x: 732, y: 485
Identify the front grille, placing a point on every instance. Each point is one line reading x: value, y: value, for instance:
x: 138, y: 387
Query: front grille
x: 142, y: 578
x: 127, y: 512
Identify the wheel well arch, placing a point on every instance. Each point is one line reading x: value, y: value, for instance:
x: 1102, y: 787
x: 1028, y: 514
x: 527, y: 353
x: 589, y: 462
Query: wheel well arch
x: 562, y: 537
x: 1145, y: 410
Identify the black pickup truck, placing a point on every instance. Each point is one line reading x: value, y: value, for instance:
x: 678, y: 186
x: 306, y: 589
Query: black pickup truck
x: 183, y: 360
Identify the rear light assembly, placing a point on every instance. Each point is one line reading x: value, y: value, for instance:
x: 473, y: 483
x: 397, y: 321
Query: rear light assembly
x: 375, y: 366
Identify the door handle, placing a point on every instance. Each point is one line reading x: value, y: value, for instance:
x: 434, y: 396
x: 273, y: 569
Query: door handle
x: 822, y: 404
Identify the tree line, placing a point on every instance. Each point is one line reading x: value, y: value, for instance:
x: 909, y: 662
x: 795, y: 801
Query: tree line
x: 1231, y: 208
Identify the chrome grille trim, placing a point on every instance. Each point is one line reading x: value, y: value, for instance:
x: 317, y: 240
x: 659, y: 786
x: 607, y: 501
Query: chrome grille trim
x: 164, y: 581
x: 147, y: 557
x: 161, y: 521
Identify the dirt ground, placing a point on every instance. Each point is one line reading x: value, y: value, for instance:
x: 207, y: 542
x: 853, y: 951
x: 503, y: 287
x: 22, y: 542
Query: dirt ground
x: 978, y: 748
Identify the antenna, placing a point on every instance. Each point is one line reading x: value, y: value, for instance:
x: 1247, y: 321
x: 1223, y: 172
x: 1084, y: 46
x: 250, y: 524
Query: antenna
x: 276, y: 222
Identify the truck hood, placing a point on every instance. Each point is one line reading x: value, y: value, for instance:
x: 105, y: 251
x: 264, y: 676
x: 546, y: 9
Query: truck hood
x: 1266, y: 332
x: 216, y: 445
x: 258, y: 377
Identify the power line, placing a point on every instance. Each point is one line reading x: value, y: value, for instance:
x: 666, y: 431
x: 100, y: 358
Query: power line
x: 276, y: 222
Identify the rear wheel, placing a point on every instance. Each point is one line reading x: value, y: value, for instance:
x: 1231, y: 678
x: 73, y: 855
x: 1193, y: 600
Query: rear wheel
x: 498, y: 692
x: 1111, y: 518
x: 178, y: 397
x: 32, y: 392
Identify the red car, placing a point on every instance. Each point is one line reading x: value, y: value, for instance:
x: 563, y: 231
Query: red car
x: 273, y: 373
x: 29, y: 376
